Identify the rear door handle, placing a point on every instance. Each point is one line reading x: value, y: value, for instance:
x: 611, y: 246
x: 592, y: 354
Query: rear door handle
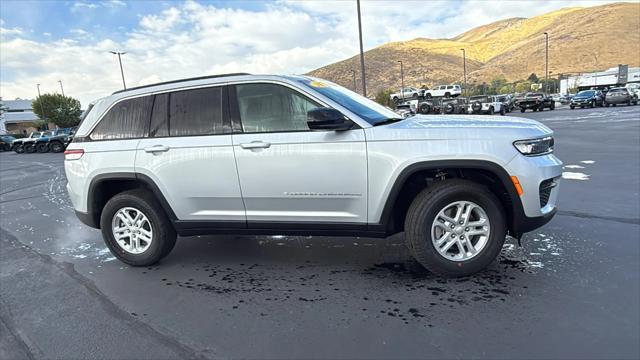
x: 255, y: 145
x: 156, y: 148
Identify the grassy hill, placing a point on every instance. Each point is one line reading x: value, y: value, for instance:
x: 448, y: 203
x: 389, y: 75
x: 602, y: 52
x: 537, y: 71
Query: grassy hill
x: 580, y: 40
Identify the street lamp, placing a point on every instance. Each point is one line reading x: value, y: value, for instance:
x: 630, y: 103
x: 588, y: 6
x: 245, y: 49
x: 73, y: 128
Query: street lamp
x: 401, y: 80
x: 61, y: 88
x: 120, y: 61
x: 364, y: 85
x: 546, y: 66
x: 353, y: 74
x: 464, y: 69
x: 40, y: 101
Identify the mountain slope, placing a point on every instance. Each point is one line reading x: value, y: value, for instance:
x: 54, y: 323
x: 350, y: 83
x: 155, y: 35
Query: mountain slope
x: 580, y: 39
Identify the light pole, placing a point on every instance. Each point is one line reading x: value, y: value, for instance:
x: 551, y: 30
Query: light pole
x: 464, y: 69
x: 546, y: 66
x: 353, y: 74
x: 61, y: 88
x: 40, y: 101
x: 364, y: 84
x: 401, y: 80
x: 120, y: 61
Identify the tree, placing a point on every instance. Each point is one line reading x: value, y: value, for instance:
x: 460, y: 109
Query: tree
x: 64, y: 111
x: 523, y: 87
x: 533, y: 78
x: 383, y: 97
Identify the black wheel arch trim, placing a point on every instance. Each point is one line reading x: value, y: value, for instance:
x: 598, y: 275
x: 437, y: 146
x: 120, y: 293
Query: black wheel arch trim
x: 519, y: 223
x: 92, y: 218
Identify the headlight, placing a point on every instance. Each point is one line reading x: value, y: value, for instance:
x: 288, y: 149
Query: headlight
x: 535, y: 147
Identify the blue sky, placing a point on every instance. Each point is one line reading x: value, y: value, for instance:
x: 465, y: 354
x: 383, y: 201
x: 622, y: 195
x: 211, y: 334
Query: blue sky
x: 46, y: 41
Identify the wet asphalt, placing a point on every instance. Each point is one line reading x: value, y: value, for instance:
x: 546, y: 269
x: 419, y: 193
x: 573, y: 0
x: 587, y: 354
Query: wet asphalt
x: 571, y: 291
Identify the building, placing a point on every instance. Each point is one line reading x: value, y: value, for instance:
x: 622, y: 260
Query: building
x: 613, y: 77
x: 16, y: 116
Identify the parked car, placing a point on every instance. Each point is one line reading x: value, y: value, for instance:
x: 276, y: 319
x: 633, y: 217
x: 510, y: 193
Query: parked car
x: 55, y: 141
x: 5, y: 142
x: 454, y: 106
x: 26, y: 144
x: 300, y: 155
x: 508, y: 102
x: 405, y: 94
x: 407, y: 108
x: 443, y: 91
x: 482, y: 104
x: 536, y: 102
x: 566, y: 99
x: 517, y: 98
x: 634, y: 88
x: 590, y: 98
x: 618, y: 96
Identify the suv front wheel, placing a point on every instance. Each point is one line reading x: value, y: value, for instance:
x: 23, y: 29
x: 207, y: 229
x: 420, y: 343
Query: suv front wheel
x: 135, y: 228
x: 455, y: 227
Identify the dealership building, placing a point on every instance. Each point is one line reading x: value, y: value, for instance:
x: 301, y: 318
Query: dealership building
x: 17, y: 116
x: 613, y: 77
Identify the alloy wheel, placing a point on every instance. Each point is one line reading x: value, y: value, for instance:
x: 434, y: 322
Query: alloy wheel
x: 460, y: 231
x: 132, y: 230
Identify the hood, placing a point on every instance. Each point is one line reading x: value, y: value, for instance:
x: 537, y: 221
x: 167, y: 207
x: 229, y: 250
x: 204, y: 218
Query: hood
x: 447, y: 127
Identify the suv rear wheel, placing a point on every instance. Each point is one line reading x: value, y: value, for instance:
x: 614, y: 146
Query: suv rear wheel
x: 29, y: 148
x: 56, y: 147
x: 18, y: 148
x: 455, y: 228
x: 135, y: 228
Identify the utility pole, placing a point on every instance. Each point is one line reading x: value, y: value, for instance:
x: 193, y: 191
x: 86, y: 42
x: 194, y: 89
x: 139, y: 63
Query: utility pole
x: 546, y: 66
x: 464, y: 69
x: 401, y: 80
x: 61, y: 88
x: 40, y: 101
x: 120, y: 61
x: 364, y: 84
x: 353, y: 73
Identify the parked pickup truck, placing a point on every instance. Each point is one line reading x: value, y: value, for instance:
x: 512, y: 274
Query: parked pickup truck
x: 405, y: 94
x: 536, y: 102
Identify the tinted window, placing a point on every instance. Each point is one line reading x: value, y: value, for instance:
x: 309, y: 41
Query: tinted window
x: 195, y: 112
x: 272, y: 108
x: 449, y: 87
x: 127, y: 119
x: 160, y: 116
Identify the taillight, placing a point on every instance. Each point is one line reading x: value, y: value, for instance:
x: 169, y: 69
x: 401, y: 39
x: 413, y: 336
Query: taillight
x: 73, y: 154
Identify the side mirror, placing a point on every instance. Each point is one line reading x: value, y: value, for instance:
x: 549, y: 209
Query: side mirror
x: 328, y: 119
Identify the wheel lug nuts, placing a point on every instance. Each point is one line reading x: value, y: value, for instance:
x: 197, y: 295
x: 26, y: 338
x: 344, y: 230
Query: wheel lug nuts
x: 453, y: 236
x: 466, y: 229
x: 453, y: 226
x: 461, y: 222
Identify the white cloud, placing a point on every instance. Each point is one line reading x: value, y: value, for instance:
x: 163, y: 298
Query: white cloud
x: 84, y: 5
x: 194, y: 39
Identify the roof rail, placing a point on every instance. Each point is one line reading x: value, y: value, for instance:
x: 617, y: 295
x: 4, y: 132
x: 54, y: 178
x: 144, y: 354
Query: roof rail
x: 179, y: 80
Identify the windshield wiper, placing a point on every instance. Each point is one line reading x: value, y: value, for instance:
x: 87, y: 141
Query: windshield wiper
x: 388, y: 121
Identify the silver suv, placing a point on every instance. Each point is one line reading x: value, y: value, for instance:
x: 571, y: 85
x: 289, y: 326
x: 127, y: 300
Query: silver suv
x: 296, y: 155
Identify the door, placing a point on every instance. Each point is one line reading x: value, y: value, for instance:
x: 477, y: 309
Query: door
x: 189, y: 156
x: 288, y: 173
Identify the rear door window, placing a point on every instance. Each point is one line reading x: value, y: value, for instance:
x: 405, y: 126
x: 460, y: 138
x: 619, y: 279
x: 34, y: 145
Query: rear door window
x: 128, y: 119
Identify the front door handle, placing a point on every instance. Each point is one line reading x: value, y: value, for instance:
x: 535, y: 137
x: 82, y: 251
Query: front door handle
x: 156, y: 148
x: 255, y: 145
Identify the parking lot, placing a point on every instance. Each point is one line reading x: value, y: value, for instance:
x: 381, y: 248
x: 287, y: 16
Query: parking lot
x: 572, y: 289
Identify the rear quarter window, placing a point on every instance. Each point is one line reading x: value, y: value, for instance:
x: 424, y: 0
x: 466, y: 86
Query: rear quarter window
x: 128, y: 119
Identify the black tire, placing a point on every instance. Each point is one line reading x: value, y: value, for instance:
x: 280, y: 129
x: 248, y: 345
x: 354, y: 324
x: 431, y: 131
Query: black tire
x: 164, y: 235
x: 552, y: 106
x: 522, y: 110
x: 29, y: 148
x: 447, y: 95
x: 424, y: 108
x: 593, y: 104
x: 42, y: 147
x: 502, y: 111
x: 491, y: 110
x: 428, y: 96
x: 629, y: 102
x: 614, y: 105
x: 541, y: 107
x: 425, y: 208
x: 56, y: 147
x: 19, y: 149
x: 572, y: 107
x: 415, y: 96
x: 396, y: 100
x: 449, y: 109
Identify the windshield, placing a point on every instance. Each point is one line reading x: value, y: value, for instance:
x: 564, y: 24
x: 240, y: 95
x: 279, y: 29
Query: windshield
x: 586, y: 93
x: 370, y: 111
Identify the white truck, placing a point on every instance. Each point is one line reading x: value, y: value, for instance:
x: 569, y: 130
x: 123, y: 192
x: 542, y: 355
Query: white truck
x: 405, y: 94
